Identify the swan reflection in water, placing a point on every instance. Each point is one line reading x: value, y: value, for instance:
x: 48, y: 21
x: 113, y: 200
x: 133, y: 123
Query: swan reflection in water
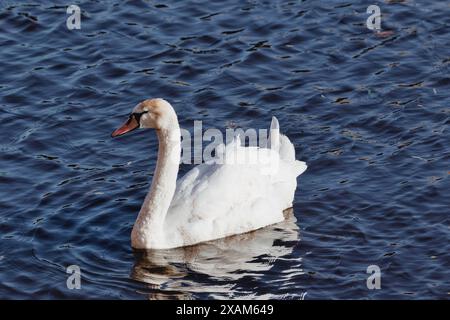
x: 215, y: 266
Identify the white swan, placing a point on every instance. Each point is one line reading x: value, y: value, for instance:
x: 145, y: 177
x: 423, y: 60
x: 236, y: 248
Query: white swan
x: 213, y: 200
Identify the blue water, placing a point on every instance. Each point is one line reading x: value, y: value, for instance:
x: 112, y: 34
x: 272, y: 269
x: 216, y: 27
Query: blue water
x: 369, y: 113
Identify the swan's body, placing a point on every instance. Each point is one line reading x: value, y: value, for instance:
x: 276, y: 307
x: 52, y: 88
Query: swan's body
x: 248, y: 190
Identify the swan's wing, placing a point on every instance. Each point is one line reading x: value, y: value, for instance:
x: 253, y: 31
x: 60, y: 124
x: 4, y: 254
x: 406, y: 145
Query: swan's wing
x: 235, y: 192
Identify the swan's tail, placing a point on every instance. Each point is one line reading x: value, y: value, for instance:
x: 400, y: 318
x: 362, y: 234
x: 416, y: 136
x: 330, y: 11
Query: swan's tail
x: 281, y: 144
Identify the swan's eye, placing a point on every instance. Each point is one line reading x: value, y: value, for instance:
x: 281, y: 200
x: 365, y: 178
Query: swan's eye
x: 137, y: 115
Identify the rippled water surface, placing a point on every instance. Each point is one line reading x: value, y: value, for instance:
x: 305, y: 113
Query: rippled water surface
x: 368, y: 112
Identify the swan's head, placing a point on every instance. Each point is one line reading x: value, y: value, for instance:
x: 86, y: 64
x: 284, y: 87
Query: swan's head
x: 152, y: 113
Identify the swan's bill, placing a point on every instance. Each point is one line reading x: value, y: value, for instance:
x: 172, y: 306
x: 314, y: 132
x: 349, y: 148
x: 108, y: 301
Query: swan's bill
x: 128, y: 126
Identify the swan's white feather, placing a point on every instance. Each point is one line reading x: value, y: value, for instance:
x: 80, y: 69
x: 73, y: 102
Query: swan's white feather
x: 217, y: 200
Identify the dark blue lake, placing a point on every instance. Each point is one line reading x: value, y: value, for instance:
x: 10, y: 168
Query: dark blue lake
x: 368, y: 111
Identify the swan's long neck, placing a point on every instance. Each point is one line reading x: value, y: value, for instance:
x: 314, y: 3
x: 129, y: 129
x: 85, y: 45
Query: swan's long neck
x: 149, y: 225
